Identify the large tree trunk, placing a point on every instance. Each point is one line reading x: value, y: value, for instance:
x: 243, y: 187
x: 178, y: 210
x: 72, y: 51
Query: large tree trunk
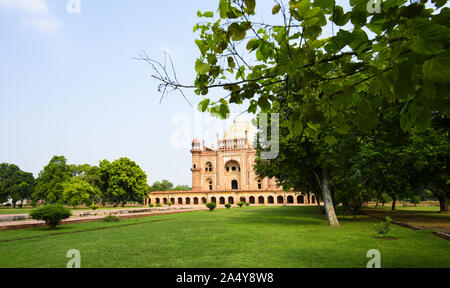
x: 393, y: 203
x: 327, y: 200
x: 443, y: 204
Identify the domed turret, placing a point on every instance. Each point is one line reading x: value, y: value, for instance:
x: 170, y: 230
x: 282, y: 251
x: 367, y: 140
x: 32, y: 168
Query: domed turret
x: 239, y: 129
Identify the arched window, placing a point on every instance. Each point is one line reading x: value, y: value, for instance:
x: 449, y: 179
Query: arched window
x: 231, y: 200
x: 188, y: 201
x: 203, y: 200
x: 299, y: 199
x: 222, y: 200
x: 180, y: 201
x: 157, y: 200
x: 280, y: 200
x: 195, y: 166
x: 210, y: 185
x: 213, y: 199
x: 165, y: 201
x: 259, y: 184
x: 251, y: 200
x: 260, y: 200
x: 290, y: 200
x: 242, y: 199
x: 195, y: 200
x: 208, y: 167
x: 270, y: 200
x: 232, y: 166
x: 234, y: 184
x: 172, y: 200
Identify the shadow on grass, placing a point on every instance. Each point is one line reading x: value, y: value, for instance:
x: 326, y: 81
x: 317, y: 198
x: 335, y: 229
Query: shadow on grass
x: 286, y: 215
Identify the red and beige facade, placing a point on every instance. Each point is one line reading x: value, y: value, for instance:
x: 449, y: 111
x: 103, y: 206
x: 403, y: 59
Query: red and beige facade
x: 226, y: 175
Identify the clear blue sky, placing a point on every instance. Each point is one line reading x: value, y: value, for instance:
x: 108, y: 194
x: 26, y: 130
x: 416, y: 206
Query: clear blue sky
x: 69, y: 85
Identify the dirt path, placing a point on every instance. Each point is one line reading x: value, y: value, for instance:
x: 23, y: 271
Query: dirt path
x: 419, y: 219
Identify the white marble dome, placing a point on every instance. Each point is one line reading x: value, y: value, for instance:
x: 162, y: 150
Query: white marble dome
x: 238, y: 128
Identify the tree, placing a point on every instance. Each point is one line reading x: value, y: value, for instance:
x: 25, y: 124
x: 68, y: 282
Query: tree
x: 77, y: 191
x: 51, y: 179
x: 123, y: 180
x: 164, y: 185
x: 403, y: 60
x: 15, y: 184
x: 90, y: 174
x: 182, y: 188
x: 431, y: 150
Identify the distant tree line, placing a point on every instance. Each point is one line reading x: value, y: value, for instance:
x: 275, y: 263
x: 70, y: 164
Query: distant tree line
x: 117, y: 182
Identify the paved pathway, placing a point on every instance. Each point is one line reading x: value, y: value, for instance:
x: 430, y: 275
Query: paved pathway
x: 12, y: 225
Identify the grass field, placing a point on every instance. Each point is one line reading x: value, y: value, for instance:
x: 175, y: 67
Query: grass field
x: 240, y: 237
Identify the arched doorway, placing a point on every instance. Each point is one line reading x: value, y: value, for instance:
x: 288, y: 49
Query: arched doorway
x: 195, y: 200
x: 300, y: 199
x: 180, y: 201
x: 165, y: 201
x: 188, y: 201
x: 203, y: 200
x: 260, y: 200
x: 251, y: 200
x: 290, y: 200
x: 231, y: 200
x: 213, y: 199
x: 270, y: 200
x: 172, y: 200
x: 234, y: 184
x: 222, y: 200
x: 157, y: 200
x: 280, y: 200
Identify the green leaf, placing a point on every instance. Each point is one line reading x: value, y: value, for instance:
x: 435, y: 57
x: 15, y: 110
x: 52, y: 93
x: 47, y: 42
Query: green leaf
x: 203, y: 105
x: 224, y: 7
x: 426, y: 48
x: 436, y: 69
x: 250, y: 4
x: 330, y: 140
x: 200, y: 67
x: 276, y: 9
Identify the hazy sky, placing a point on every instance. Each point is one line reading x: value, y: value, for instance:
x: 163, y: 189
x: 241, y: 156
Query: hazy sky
x: 69, y: 85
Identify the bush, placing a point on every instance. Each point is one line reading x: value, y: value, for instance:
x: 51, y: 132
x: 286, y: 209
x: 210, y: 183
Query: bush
x: 169, y: 203
x: 211, y: 206
x: 383, y: 228
x: 34, y: 204
x: 240, y: 204
x: 94, y: 206
x: 247, y: 204
x: 52, y: 214
x: 158, y: 205
x: 228, y: 205
x: 151, y: 205
x: 111, y: 218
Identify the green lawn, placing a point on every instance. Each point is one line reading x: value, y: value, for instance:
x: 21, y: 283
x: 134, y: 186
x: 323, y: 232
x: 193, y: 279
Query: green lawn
x: 240, y: 237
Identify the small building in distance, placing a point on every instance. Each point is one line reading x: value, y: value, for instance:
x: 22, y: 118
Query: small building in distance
x: 225, y: 175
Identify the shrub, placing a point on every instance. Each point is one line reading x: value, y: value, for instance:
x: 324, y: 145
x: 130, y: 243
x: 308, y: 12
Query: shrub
x: 151, y: 205
x: 52, y: 214
x: 211, y: 206
x: 169, y: 203
x: 383, y: 228
x: 240, y: 203
x: 247, y: 204
x: 94, y: 206
x: 111, y: 218
x: 34, y: 204
x: 158, y: 205
x: 228, y: 205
